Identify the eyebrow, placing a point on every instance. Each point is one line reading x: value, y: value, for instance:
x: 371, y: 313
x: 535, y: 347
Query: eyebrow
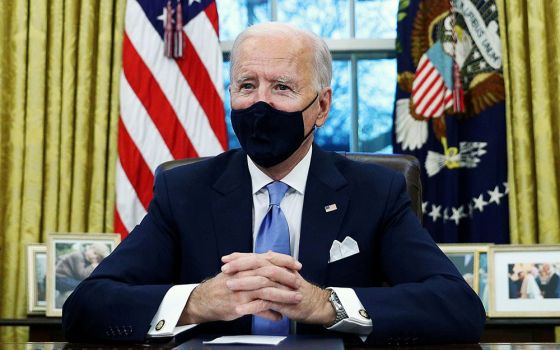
x: 283, y: 79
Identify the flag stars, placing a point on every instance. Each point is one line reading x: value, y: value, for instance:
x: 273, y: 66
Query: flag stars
x: 163, y: 16
x: 435, y: 213
x: 495, y: 195
x: 457, y: 214
x: 193, y: 1
x: 506, y: 188
x: 480, y: 203
x: 424, y: 206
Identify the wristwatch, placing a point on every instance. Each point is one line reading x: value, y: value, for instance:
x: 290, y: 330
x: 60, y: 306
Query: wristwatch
x: 338, y: 308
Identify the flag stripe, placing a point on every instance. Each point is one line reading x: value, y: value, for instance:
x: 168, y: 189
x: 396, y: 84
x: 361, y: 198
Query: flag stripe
x: 155, y: 103
x: 135, y: 168
x: 171, y: 96
x: 208, y: 51
x: 196, y: 74
x: 129, y: 207
x: 142, y: 129
x: 166, y: 72
x: 212, y: 14
x: 431, y: 94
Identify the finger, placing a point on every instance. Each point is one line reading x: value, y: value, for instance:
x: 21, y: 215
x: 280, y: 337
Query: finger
x: 277, y: 295
x: 255, y: 261
x: 254, y: 307
x: 283, y: 260
x: 270, y: 315
x: 233, y: 256
x: 280, y: 275
x: 249, y: 283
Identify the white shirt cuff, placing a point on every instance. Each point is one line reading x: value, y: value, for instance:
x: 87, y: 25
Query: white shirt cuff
x: 165, y: 320
x: 358, y: 320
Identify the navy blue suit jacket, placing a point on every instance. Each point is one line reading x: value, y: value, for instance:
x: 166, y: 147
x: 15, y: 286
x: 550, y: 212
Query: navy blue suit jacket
x: 203, y: 211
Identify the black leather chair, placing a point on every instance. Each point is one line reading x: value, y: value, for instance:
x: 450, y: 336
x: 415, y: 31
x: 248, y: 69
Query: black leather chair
x: 406, y: 164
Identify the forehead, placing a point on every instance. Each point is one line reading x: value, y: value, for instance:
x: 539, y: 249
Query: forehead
x: 273, y: 54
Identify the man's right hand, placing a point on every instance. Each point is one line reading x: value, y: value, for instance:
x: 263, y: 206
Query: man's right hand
x: 214, y: 300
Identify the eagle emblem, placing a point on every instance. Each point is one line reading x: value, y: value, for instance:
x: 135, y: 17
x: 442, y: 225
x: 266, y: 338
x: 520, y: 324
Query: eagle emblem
x: 455, y: 48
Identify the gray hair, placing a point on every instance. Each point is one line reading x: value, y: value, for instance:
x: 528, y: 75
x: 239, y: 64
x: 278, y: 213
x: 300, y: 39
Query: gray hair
x: 321, y: 54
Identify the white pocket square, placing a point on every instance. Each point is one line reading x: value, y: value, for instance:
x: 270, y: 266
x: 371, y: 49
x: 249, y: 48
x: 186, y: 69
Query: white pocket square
x: 347, y: 248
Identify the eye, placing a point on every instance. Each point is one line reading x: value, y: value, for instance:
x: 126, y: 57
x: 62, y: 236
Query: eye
x: 246, y: 86
x: 282, y: 87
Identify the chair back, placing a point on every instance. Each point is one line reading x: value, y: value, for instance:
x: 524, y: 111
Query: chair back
x: 403, y: 163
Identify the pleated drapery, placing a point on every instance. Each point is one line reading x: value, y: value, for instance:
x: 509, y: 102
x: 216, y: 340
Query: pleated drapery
x: 531, y: 54
x: 59, y: 73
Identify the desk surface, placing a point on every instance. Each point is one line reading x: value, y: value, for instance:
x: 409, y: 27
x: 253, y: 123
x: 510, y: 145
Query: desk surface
x: 290, y: 343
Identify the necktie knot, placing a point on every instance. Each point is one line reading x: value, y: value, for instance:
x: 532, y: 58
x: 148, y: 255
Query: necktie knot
x: 276, y: 191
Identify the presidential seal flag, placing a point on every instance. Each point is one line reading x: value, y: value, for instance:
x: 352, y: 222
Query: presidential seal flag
x: 450, y: 114
x: 171, y: 96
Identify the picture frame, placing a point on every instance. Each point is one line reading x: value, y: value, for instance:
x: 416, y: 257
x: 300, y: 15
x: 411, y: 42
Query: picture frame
x: 36, y: 278
x: 466, y: 258
x: 525, y: 280
x: 71, y: 257
x: 484, y: 286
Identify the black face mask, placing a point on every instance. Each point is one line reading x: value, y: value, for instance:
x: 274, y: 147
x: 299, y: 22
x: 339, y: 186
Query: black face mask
x: 267, y: 135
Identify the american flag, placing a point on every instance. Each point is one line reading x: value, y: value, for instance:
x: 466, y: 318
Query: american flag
x: 432, y: 89
x: 171, y: 108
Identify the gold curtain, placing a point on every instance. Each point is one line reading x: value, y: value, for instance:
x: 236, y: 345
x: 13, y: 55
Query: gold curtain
x: 59, y: 73
x: 529, y: 32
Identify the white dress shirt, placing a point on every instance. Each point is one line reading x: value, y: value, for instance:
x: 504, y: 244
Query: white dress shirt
x: 292, y: 206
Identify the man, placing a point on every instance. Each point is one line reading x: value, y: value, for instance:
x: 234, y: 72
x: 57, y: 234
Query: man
x: 207, y: 219
x: 548, y: 282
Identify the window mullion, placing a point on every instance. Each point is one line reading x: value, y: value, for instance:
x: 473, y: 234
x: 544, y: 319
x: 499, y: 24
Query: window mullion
x: 354, y: 144
x: 273, y: 10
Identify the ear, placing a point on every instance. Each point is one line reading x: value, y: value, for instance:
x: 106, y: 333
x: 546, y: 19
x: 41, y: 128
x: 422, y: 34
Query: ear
x: 325, y: 99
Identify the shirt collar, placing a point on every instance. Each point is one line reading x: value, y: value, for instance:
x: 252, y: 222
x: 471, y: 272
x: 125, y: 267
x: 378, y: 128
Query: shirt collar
x: 296, y: 179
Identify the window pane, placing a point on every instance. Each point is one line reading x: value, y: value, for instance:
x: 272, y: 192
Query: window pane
x: 326, y: 18
x: 335, y: 134
x: 376, y: 95
x: 232, y: 139
x: 236, y: 15
x: 376, y: 18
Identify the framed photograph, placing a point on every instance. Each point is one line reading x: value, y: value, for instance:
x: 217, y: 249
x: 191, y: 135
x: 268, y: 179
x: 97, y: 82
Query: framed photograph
x: 525, y: 280
x: 70, y: 259
x: 483, y: 285
x: 466, y: 258
x: 36, y: 278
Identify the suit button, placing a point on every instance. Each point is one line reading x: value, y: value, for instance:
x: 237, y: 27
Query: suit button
x: 160, y: 325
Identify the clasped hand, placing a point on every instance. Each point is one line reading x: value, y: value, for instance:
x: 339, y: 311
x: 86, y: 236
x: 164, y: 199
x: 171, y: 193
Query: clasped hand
x: 267, y: 285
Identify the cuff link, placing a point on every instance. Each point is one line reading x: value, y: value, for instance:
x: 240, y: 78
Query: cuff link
x: 160, y: 325
x: 364, y: 314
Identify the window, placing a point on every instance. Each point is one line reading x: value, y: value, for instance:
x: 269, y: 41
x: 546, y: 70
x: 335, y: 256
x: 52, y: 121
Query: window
x: 361, y: 35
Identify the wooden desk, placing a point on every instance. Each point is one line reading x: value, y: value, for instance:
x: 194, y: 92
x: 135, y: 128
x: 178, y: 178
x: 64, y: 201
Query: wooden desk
x: 497, y: 330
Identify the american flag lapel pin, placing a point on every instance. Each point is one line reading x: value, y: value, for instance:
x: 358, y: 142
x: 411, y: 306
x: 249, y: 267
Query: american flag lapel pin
x: 330, y: 207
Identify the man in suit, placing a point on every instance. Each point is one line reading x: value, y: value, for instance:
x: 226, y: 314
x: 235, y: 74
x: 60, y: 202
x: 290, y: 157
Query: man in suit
x: 198, y: 257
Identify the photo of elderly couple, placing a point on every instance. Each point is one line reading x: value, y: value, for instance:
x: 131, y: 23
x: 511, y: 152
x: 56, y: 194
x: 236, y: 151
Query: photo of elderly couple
x: 534, y: 280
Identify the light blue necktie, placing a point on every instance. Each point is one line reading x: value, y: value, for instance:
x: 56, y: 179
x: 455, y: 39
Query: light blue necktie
x: 273, y: 235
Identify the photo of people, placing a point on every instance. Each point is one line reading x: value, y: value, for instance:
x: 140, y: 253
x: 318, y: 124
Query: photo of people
x: 41, y: 275
x: 464, y: 262
x: 483, y: 292
x: 534, y: 280
x: 71, y: 259
x: 74, y: 263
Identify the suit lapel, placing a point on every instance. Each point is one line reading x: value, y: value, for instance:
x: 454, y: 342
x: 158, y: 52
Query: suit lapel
x: 232, y: 209
x: 319, y: 227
